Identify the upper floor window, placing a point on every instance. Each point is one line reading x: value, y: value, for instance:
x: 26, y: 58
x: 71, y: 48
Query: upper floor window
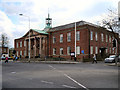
x: 61, y: 38
x: 110, y: 39
x: 78, y: 35
x: 54, y: 39
x: 102, y: 37
x: 24, y: 43
x: 106, y: 38
x: 21, y: 44
x: 17, y: 44
x: 91, y: 35
x: 68, y: 37
x: 96, y: 36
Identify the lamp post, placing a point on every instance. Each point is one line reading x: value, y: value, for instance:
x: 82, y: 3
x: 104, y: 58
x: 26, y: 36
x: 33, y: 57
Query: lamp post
x: 29, y: 32
x: 75, y: 42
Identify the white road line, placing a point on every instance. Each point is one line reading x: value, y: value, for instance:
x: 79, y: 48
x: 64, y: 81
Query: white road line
x: 51, y: 67
x: 13, y: 72
x: 68, y: 86
x: 70, y: 78
x: 76, y: 82
x: 47, y: 82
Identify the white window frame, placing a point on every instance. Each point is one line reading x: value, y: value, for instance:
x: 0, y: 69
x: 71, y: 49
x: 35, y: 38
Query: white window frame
x: 69, y: 37
x: 24, y: 53
x: 54, y: 51
x: 96, y: 36
x: 106, y: 38
x: 17, y: 45
x: 102, y: 37
x: 78, y: 50
x: 91, y: 35
x: 17, y: 53
x: 61, y: 38
x: 110, y: 39
x: 91, y: 50
x: 24, y: 43
x: 110, y: 50
x: 21, y: 53
x: 96, y: 50
x: 106, y: 50
x: 78, y: 35
x: 20, y: 43
x: 68, y: 50
x: 54, y: 39
x: 61, y: 51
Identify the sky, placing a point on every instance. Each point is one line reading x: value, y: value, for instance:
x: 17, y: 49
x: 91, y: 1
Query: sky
x: 61, y: 11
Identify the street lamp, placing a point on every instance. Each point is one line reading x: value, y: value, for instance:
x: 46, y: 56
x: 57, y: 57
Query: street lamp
x: 29, y: 32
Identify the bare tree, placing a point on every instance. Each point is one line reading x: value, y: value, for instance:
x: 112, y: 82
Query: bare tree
x: 112, y: 23
x: 4, y: 41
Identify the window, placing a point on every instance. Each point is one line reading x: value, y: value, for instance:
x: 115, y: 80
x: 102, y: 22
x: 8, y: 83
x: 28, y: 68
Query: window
x: 17, y: 44
x: 54, y: 51
x: 96, y: 50
x: 17, y: 53
x: 78, y: 35
x: 102, y: 37
x: 61, y: 51
x: 106, y: 38
x: 68, y: 50
x: 61, y: 38
x: 106, y: 50
x: 78, y: 50
x: 91, y: 35
x: 21, y: 53
x: 113, y: 50
x: 24, y: 43
x: 21, y: 44
x: 91, y: 50
x: 54, y: 39
x: 24, y: 53
x: 96, y: 36
x: 110, y: 50
x: 68, y: 37
x: 110, y: 39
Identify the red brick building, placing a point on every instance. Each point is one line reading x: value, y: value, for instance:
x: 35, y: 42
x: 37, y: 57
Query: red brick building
x: 60, y: 41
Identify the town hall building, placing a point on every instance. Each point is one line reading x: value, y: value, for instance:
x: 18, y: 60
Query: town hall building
x: 60, y: 41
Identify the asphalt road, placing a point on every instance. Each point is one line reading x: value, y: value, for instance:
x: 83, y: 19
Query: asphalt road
x: 38, y: 75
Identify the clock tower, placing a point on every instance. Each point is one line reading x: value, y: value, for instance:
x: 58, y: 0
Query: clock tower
x: 48, y: 22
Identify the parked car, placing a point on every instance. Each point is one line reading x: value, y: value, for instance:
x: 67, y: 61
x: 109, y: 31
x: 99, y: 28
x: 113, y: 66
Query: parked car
x: 111, y: 59
x: 2, y: 58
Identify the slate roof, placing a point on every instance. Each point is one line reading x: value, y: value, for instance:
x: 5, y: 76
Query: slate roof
x: 79, y: 23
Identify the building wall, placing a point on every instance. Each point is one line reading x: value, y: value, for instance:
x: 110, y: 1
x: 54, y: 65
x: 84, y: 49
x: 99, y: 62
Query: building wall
x: 85, y: 41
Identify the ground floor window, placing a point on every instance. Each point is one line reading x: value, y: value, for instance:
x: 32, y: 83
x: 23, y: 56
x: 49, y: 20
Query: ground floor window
x: 61, y: 51
x: 78, y: 50
x: 91, y: 50
x: 54, y: 51
x: 68, y: 50
x: 96, y: 50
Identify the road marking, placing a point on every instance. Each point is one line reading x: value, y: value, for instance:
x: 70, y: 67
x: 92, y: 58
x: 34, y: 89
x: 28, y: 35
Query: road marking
x: 68, y: 86
x: 51, y: 67
x: 76, y: 82
x: 47, y: 82
x: 69, y: 78
x: 13, y: 72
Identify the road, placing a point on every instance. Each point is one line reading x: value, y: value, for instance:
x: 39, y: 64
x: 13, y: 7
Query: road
x: 39, y: 75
